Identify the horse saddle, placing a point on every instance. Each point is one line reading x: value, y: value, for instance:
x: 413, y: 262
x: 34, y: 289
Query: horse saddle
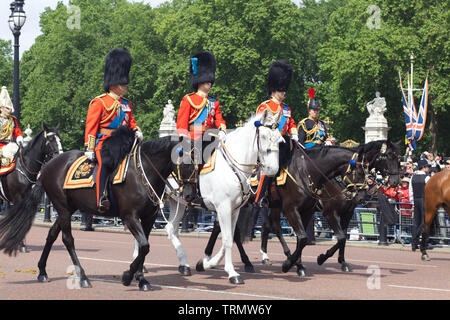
x: 7, y: 165
x: 81, y: 173
x: 280, y: 180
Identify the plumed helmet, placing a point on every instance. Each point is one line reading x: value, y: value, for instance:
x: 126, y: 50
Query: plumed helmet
x: 279, y: 77
x: 5, y: 100
x: 202, y: 68
x: 313, y: 103
x: 117, y: 68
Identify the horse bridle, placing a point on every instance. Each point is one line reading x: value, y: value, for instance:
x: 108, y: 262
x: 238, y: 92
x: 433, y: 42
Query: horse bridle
x: 42, y: 164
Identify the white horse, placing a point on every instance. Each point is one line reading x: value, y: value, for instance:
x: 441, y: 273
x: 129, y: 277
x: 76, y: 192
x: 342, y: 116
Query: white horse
x: 226, y: 188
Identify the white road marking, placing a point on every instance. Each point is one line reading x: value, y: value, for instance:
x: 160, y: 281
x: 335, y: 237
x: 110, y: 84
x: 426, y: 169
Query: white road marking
x: 419, y: 288
x: 203, y: 290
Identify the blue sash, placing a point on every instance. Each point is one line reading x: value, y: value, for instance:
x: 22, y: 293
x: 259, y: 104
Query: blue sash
x: 115, y: 123
x: 205, y: 111
x: 283, y: 118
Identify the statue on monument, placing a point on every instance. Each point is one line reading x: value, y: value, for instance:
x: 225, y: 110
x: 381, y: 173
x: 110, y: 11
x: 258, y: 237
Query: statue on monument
x: 168, y: 114
x: 376, y: 107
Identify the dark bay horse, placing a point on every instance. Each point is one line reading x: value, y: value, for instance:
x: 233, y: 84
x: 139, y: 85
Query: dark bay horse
x: 134, y: 201
x: 29, y: 160
x: 380, y: 155
x: 437, y: 194
x: 297, y: 194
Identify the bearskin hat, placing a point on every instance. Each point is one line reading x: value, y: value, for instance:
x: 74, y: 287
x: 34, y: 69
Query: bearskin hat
x: 117, y: 68
x: 279, y: 78
x: 313, y: 103
x: 202, y: 68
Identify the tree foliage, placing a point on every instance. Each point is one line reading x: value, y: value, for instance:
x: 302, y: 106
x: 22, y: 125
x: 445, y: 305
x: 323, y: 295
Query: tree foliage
x: 6, y: 65
x: 335, y: 46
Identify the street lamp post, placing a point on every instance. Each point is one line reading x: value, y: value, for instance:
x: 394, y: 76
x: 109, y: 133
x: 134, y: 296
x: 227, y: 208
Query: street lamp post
x: 16, y: 22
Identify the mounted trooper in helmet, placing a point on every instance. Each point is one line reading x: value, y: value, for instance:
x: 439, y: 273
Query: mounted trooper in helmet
x: 311, y: 130
x: 11, y: 135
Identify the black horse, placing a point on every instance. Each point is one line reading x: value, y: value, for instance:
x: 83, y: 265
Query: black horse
x: 307, y: 172
x: 28, y: 162
x: 134, y: 201
x: 380, y: 155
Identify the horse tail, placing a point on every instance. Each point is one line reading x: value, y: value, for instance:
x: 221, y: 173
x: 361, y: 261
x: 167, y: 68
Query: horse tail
x: 245, y: 222
x: 17, y: 220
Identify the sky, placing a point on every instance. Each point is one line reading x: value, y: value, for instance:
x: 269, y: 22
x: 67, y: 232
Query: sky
x: 33, y: 8
x: 31, y: 29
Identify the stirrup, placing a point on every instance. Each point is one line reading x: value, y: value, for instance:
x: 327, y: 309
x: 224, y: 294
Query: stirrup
x: 104, y: 206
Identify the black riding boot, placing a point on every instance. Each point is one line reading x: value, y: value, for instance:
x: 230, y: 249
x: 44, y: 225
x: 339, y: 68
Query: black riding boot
x: 103, y: 204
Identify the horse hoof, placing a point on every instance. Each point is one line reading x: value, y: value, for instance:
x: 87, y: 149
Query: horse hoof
x: 199, y: 267
x: 267, y: 262
x: 346, y: 268
x: 144, y: 285
x: 85, y: 283
x: 425, y: 257
x: 301, y: 272
x: 249, y: 268
x: 127, y: 277
x: 184, y: 271
x: 287, y: 265
x: 321, y: 259
x: 236, y: 280
x: 43, y: 278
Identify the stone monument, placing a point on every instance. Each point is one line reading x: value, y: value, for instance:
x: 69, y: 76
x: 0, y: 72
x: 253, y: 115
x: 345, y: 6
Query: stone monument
x: 376, y: 127
x: 168, y: 125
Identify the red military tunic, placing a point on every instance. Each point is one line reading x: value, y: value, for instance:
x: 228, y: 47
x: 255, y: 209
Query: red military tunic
x: 286, y: 123
x: 9, y: 133
x: 198, y: 113
x: 106, y: 113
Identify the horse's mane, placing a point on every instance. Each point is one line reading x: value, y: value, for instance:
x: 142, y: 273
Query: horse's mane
x: 376, y: 145
x: 33, y: 141
x: 158, y: 145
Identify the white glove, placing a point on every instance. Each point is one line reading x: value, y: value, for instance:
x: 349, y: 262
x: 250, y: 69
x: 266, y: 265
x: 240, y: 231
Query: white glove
x: 139, y: 135
x: 294, y: 137
x: 222, y: 135
x: 281, y: 140
x: 19, y: 140
x: 90, y: 155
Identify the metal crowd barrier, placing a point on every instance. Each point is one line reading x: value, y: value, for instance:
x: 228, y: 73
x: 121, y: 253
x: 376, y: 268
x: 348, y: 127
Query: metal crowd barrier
x: 364, y: 225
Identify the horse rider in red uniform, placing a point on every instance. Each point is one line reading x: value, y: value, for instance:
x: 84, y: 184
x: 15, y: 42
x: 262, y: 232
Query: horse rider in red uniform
x: 10, y: 130
x: 106, y: 114
x: 279, y: 78
x: 199, y: 112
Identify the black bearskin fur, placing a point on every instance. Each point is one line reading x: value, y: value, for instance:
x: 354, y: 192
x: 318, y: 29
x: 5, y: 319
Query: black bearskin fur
x: 117, y: 146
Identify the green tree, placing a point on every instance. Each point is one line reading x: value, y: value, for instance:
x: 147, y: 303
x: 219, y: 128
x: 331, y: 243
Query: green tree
x: 63, y: 70
x: 364, y: 54
x: 6, y: 64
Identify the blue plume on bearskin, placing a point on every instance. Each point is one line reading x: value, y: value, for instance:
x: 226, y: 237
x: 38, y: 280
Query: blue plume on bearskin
x: 204, y: 70
x: 117, y: 146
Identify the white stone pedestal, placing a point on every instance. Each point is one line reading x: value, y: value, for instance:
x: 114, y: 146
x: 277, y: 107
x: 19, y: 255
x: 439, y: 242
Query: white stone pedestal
x: 376, y: 127
x: 168, y: 126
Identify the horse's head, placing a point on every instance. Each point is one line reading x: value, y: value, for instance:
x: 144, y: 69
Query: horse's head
x: 52, y: 142
x: 268, y: 137
x: 383, y: 156
x: 353, y: 178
